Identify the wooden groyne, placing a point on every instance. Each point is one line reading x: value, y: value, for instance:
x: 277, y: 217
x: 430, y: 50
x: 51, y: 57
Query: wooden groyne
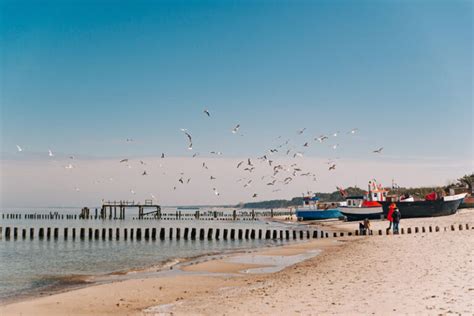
x: 195, y: 233
x: 118, y: 213
x: 137, y: 233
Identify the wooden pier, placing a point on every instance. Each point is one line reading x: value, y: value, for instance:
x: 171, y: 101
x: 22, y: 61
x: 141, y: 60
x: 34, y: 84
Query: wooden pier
x: 109, y: 210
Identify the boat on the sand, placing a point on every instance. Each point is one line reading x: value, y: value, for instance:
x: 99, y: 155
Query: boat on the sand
x: 311, y: 211
x: 364, y: 206
x: 442, y: 206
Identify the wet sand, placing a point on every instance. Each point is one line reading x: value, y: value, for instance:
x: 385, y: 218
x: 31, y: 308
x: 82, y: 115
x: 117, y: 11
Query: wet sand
x: 424, y: 273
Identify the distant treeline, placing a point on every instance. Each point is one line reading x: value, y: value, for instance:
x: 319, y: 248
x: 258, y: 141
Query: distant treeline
x: 297, y: 201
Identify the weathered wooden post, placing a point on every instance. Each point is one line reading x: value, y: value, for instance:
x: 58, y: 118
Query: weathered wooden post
x: 209, y: 234
x: 246, y: 234
x: 73, y: 233
x: 224, y: 233
x: 147, y: 233
x: 460, y: 226
x: 111, y: 233
x: 430, y: 229
x: 218, y: 231
x: 32, y: 233
x: 193, y: 233
x: 186, y: 231
x: 315, y: 234
x: 268, y: 234
x: 403, y: 231
x: 139, y: 233
x: 90, y: 233
x: 301, y: 234
x: 56, y: 233
x: 96, y: 234
x: 104, y: 232
x: 260, y: 234
x: 232, y: 234
x: 131, y: 234
x: 162, y: 233
x: 40, y: 233
x: 416, y: 230
x: 65, y: 232
x: 7, y: 232
x: 125, y: 234
x: 82, y: 233
x: 240, y: 234
x: 48, y: 233
x: 452, y: 227
x: 23, y: 233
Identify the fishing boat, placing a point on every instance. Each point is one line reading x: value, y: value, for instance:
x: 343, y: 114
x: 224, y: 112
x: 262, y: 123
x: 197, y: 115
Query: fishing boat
x: 358, y: 208
x: 432, y: 206
x: 311, y: 211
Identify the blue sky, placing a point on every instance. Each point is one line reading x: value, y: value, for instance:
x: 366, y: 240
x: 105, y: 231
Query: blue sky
x: 80, y: 77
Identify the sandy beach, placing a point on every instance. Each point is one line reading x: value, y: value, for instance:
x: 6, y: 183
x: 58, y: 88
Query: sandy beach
x: 424, y: 273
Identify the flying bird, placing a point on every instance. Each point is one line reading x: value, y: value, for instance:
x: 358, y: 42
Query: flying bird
x: 50, y: 153
x: 181, y: 180
x: 335, y: 134
x: 19, y: 148
x: 306, y: 144
x: 162, y: 155
x: 212, y: 178
x: 236, y: 129
x: 124, y: 160
x: 216, y: 153
x: 132, y: 191
x: 378, y: 151
x: 240, y: 163
x: 332, y: 167
x: 353, y: 131
x: 215, y: 191
x: 144, y: 173
x: 207, y: 113
x: 321, y: 138
x: 301, y: 131
x: 335, y: 146
x: 204, y: 165
x: 254, y: 195
x: 69, y: 166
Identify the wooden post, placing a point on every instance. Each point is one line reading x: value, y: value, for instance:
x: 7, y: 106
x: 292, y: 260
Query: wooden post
x: 23, y: 233
x: 74, y: 233
x: 104, y: 231
x: 125, y: 234
x: 162, y: 234
x: 217, y: 233
x: 65, y: 232
x: 436, y: 229
x: 423, y: 229
x: 153, y: 233
x: 460, y: 226
x: 467, y: 226
x: 96, y: 234
x: 268, y: 234
x: 225, y: 234
x: 171, y: 233
x: 40, y: 233
x: 209, y: 234
x: 178, y: 233
x: 147, y: 233
x: 403, y: 230
x: 430, y: 229
x: 260, y: 234
x: 186, y: 231
x: 111, y: 233
x: 240, y: 234
x: 301, y: 234
x: 131, y: 234
x: 90, y: 233
x: 232, y: 234
x: 193, y: 233
x: 252, y: 234
x: 334, y: 234
x: 139, y: 233
x: 246, y: 234
x: 380, y: 232
x: 349, y: 234
x: 32, y: 233
x: 452, y: 227
x: 315, y: 234
x: 48, y: 233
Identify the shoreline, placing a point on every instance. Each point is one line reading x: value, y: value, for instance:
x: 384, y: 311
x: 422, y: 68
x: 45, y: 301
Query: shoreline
x: 210, y: 285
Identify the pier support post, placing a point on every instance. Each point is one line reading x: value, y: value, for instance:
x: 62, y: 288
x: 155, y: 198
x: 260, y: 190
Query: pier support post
x: 452, y: 227
x: 460, y: 226
x: 153, y: 233
x: 268, y: 234
x: 260, y: 234
x: 32, y: 233
x: 48, y: 233
x: 96, y: 234
x: 162, y: 234
x: 41, y: 233
x: 186, y: 231
x: 209, y: 234
x: 147, y: 233
x: 23, y: 233
x: 65, y: 232
x: 193, y: 233
x: 315, y: 234
x: 301, y: 234
x: 125, y: 234
x: 232, y: 234
x: 171, y: 233
x: 225, y: 234
x: 73, y: 233
x: 217, y: 233
x: 240, y: 234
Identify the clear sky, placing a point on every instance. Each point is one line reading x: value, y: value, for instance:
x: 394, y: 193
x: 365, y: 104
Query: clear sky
x: 80, y: 77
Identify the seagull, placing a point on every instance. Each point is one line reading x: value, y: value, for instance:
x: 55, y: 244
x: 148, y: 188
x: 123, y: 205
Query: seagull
x: 181, y: 180
x: 142, y: 162
x: 335, y: 146
x: 69, y: 166
x: 144, y: 173
x: 321, y: 138
x: 190, y: 147
x: 207, y: 113
x: 298, y: 154
x: 129, y: 140
x: 215, y: 191
x: 353, y: 131
x: 212, y: 178
x: 50, y: 153
x: 240, y: 163
x: 162, y: 155
x: 254, y: 195
x: 216, y: 153
x: 378, y: 151
x: 273, y: 150
x: 236, y: 129
x: 271, y: 183
x: 195, y: 154
x: 335, y: 134
x: 124, y: 160
x: 131, y: 191
x: 306, y: 144
x: 301, y: 131
x: 189, y: 179
x: 152, y: 196
x: 19, y: 148
x: 204, y: 165
x: 249, y: 162
x: 332, y: 167
x: 77, y: 189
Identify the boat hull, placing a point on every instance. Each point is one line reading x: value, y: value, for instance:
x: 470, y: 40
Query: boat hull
x: 424, y: 208
x: 309, y: 215
x: 361, y: 213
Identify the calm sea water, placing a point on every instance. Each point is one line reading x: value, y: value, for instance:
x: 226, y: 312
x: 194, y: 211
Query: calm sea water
x: 32, y: 265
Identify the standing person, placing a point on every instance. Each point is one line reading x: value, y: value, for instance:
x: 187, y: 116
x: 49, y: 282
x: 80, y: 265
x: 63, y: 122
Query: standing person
x: 396, y: 220
x: 391, y: 208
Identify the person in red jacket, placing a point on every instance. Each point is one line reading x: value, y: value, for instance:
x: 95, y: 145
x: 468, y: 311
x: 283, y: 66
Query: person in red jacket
x: 391, y: 209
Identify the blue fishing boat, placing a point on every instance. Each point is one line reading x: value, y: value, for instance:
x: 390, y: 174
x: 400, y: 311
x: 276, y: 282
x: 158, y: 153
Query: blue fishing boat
x: 310, y: 210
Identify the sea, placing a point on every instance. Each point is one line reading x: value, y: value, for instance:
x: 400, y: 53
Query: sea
x: 31, y: 267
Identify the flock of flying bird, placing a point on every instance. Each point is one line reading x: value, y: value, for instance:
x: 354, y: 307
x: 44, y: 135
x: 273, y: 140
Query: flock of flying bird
x: 278, y: 173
